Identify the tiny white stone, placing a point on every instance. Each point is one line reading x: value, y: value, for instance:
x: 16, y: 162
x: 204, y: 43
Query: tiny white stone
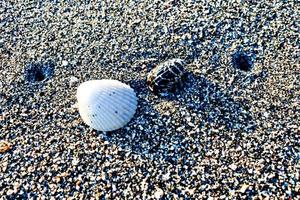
x: 73, y: 80
x: 158, y: 193
x: 9, y: 192
x: 64, y: 63
x: 166, y: 176
x: 239, y: 148
x: 266, y: 114
x: 244, y: 188
x: 75, y: 161
x: 233, y: 166
x: 191, y: 124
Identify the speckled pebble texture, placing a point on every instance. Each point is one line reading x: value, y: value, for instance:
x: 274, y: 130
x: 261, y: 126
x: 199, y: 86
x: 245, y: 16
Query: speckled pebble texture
x: 229, y: 133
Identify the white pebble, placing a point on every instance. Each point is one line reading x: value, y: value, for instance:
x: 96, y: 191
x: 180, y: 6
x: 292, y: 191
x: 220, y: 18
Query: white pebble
x: 73, y: 80
x: 158, y: 193
x: 64, y: 63
x: 233, y: 166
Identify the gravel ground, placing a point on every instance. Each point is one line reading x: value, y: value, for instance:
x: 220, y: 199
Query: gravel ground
x: 227, y: 134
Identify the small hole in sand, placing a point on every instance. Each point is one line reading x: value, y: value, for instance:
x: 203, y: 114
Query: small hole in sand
x: 37, y: 72
x: 241, y: 61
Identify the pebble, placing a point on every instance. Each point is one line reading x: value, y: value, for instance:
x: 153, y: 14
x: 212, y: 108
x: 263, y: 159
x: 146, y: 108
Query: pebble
x: 73, y: 80
x: 243, y: 188
x: 64, y: 63
x: 4, y: 146
x: 227, y: 133
x: 233, y: 167
x: 158, y: 193
x: 9, y: 192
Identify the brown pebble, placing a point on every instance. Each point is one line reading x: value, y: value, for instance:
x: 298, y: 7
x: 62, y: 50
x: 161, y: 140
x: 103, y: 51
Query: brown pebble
x: 4, y: 146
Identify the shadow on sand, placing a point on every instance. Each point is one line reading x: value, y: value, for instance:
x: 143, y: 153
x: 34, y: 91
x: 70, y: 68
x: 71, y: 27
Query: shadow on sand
x: 203, y: 112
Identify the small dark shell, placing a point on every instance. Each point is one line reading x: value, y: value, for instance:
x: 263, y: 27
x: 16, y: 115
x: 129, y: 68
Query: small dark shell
x: 167, y: 76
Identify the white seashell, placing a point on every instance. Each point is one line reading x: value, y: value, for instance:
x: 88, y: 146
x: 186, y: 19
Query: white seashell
x: 106, y: 105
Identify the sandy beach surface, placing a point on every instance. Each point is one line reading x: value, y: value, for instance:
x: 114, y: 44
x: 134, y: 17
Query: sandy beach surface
x: 229, y: 133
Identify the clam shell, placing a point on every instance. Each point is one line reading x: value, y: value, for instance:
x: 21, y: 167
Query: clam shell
x: 106, y: 105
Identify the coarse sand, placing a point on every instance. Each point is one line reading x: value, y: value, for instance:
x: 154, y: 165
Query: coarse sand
x: 231, y: 132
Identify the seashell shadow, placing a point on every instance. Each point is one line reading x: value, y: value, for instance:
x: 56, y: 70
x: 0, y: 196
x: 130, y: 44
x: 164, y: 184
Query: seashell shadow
x: 217, y: 102
x: 202, y: 113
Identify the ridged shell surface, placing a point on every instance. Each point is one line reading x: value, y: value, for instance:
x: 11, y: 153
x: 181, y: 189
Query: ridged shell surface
x: 106, y: 105
x: 167, y: 76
